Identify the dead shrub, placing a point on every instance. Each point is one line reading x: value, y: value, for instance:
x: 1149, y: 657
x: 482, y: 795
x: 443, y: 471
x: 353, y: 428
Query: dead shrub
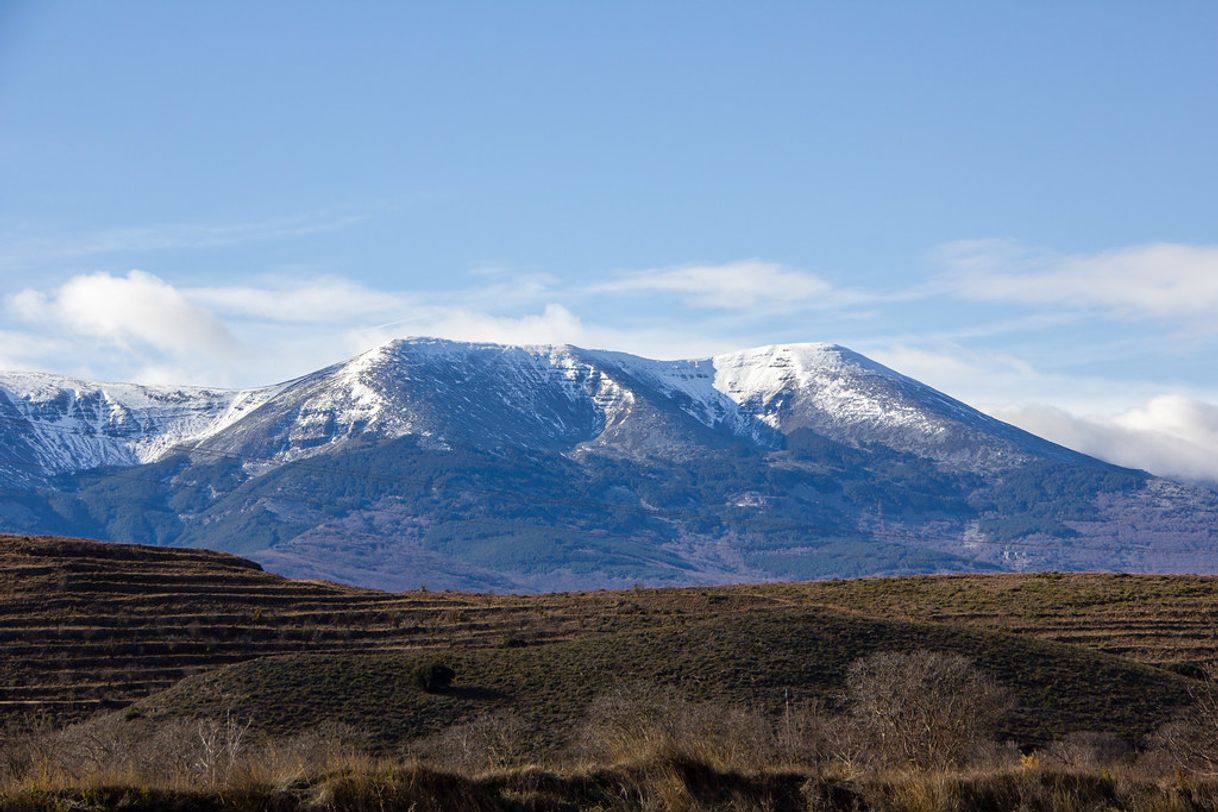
x: 491, y: 742
x: 632, y: 725
x: 1088, y: 750
x: 924, y: 709
x: 1190, y: 740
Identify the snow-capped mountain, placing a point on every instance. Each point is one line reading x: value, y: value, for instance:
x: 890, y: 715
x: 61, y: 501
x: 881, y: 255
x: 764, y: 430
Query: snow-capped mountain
x: 52, y: 424
x: 508, y: 467
x: 852, y: 399
x: 567, y: 397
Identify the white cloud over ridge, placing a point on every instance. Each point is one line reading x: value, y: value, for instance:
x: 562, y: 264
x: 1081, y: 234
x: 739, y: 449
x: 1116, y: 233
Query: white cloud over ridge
x: 1170, y: 435
x: 1158, y: 280
x: 137, y: 326
x: 140, y: 327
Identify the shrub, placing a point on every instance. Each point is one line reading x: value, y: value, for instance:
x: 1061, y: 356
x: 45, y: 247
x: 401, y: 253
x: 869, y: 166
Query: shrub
x: 633, y: 724
x: 1190, y: 740
x: 1191, y: 670
x: 433, y: 677
x: 1088, y: 750
x: 496, y: 740
x: 924, y: 709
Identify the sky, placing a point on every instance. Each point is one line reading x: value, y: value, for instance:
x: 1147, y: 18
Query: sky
x: 1012, y: 202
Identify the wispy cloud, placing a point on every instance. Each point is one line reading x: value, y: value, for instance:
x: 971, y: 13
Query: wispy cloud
x: 23, y: 248
x: 318, y: 300
x: 751, y: 284
x: 1160, y: 280
x: 137, y: 326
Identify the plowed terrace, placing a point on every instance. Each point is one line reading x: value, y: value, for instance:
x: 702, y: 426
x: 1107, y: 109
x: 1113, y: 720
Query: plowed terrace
x: 85, y: 625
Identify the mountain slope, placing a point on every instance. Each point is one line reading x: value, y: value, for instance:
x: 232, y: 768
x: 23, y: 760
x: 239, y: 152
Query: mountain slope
x: 536, y: 468
x: 852, y: 399
x: 51, y: 424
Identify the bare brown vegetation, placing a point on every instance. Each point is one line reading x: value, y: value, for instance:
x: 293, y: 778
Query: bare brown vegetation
x: 86, y: 626
x: 924, y: 709
x: 634, y: 751
x: 645, y: 699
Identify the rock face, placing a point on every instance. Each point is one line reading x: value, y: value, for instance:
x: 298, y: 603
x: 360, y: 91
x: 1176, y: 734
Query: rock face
x: 547, y: 467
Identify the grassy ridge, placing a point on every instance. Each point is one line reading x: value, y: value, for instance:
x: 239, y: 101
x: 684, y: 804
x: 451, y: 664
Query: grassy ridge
x: 86, y: 625
x: 754, y: 659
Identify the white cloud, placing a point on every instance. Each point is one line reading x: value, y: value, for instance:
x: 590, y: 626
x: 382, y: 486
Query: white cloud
x: 323, y: 300
x: 1170, y: 435
x: 982, y: 378
x: 555, y: 324
x: 140, y: 327
x: 1159, y: 280
x: 1129, y: 423
x: 136, y: 309
x: 745, y: 285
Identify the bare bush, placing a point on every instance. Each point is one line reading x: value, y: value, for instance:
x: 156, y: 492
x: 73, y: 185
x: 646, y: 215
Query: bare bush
x: 924, y: 709
x: 1190, y: 740
x: 219, y: 746
x: 635, y: 725
x: 494, y: 741
x: 200, y: 751
x: 25, y: 744
x: 325, y: 748
x: 1088, y: 750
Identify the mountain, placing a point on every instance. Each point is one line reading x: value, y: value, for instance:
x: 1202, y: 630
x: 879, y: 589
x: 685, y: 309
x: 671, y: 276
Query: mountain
x: 52, y: 424
x: 483, y: 466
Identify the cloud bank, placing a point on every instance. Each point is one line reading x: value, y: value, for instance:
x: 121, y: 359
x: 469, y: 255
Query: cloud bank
x: 1170, y: 435
x: 137, y: 326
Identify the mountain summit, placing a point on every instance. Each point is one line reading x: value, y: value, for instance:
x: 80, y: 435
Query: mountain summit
x: 544, y: 467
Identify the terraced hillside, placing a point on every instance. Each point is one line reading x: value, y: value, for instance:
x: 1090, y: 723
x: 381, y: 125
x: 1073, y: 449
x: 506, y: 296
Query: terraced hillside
x: 1157, y: 619
x: 758, y: 660
x: 85, y: 625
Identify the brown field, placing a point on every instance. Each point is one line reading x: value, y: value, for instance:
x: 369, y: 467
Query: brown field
x: 86, y: 625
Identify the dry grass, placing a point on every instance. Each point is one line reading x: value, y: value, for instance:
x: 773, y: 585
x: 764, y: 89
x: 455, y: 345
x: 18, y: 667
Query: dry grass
x: 634, y: 751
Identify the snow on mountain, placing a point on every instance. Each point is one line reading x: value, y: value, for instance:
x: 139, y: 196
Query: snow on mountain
x: 53, y: 424
x: 440, y: 391
x: 791, y: 460
x: 491, y: 394
x: 848, y: 397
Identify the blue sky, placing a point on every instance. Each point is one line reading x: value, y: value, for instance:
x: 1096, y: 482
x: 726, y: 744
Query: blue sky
x: 1011, y: 201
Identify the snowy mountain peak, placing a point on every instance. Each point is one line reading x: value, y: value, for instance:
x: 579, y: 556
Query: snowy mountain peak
x: 497, y: 395
x: 848, y: 397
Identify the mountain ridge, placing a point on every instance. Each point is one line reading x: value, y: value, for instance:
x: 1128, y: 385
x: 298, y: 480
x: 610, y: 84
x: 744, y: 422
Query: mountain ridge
x: 477, y: 465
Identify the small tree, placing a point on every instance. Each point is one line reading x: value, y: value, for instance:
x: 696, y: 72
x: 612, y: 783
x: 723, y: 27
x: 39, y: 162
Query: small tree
x: 924, y: 709
x: 434, y: 677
